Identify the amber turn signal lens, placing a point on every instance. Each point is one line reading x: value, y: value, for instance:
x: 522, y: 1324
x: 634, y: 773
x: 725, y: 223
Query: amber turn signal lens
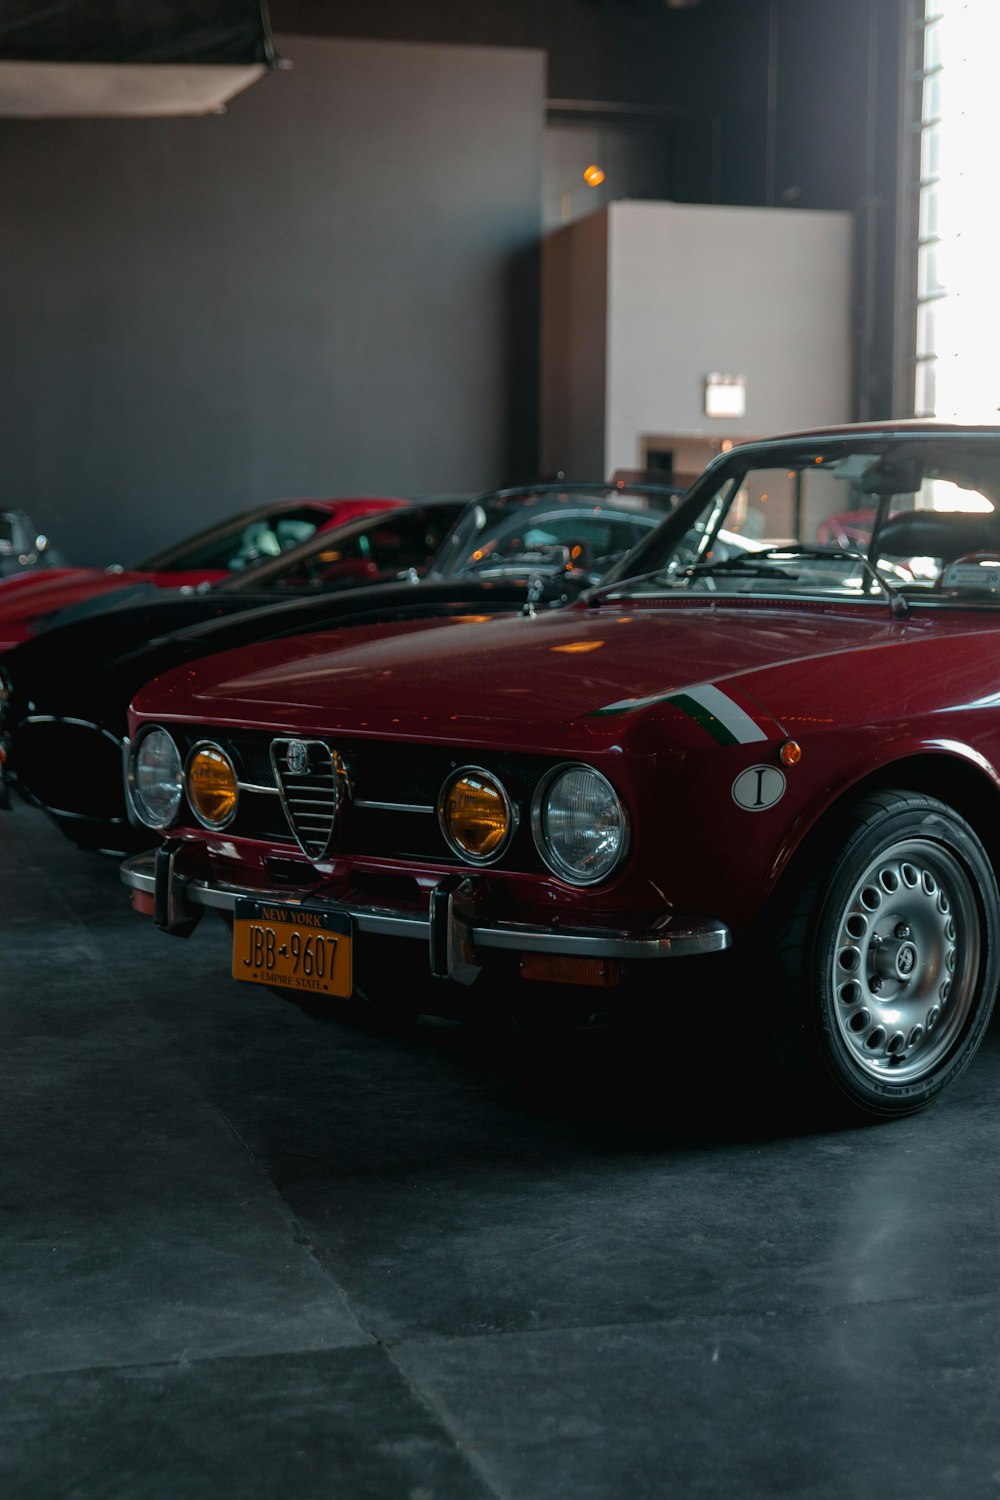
x: 475, y: 815
x: 790, y: 753
x: 211, y: 786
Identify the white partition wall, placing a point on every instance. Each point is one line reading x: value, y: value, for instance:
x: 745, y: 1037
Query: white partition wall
x: 643, y: 301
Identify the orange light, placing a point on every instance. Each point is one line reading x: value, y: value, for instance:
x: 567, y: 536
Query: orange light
x: 474, y: 815
x: 573, y: 648
x: 820, y: 459
x: 557, y: 968
x: 790, y: 753
x: 592, y: 175
x: 763, y: 499
x: 211, y: 786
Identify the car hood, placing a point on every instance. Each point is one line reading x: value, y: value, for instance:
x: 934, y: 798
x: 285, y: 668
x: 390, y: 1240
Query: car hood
x: 565, y: 680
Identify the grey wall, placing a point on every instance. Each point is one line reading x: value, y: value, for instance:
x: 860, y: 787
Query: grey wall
x: 329, y: 289
x: 783, y: 103
x: 643, y: 300
x: 760, y: 292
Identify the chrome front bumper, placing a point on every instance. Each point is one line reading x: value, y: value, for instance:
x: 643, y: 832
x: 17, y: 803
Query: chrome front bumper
x: 176, y: 878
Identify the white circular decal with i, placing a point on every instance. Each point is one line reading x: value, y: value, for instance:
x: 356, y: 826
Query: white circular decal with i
x: 758, y: 788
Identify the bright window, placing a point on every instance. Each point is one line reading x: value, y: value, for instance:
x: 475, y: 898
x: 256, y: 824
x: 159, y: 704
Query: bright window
x: 958, y: 278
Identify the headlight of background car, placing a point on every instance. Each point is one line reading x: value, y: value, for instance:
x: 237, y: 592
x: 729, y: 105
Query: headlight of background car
x: 579, y: 824
x: 211, y: 785
x: 155, y: 778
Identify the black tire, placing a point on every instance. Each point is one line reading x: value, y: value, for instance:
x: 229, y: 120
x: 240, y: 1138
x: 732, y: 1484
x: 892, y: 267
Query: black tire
x: 888, y: 960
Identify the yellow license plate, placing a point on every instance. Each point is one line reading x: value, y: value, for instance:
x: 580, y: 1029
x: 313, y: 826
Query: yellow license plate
x: 303, y: 948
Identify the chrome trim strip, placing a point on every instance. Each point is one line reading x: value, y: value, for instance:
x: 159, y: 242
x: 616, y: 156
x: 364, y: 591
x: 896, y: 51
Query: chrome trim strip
x: 80, y: 724
x: 249, y: 786
x: 695, y: 936
x: 407, y: 807
x: 63, y: 812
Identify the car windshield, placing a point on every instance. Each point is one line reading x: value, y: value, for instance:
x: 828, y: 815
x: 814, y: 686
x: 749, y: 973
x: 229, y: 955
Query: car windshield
x: 882, y: 519
x: 585, y: 528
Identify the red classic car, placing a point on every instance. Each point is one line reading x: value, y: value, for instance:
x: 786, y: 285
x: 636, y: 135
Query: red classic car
x: 790, y: 751
x: 221, y: 550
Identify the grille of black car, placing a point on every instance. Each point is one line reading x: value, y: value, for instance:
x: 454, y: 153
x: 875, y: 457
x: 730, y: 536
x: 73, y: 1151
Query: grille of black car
x: 389, y: 804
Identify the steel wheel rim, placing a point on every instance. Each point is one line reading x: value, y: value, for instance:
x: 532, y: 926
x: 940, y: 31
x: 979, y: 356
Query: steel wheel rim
x: 906, y: 960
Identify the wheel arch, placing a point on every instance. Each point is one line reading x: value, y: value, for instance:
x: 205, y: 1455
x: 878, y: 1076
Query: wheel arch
x: 962, y: 780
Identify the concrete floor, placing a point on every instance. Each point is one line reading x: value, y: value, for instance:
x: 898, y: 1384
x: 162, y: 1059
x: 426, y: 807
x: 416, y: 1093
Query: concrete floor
x: 247, y: 1253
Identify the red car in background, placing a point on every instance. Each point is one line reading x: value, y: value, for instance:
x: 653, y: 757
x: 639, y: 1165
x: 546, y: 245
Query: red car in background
x: 213, y: 554
x: 791, y: 752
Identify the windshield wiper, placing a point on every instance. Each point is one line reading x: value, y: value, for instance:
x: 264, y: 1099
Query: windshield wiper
x: 758, y: 564
x: 744, y: 562
x: 623, y: 585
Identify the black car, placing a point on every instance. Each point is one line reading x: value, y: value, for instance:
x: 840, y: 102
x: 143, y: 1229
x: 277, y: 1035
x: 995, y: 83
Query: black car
x: 64, y: 693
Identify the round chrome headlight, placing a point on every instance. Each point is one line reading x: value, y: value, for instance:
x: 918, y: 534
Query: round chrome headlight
x: 211, y: 785
x: 579, y: 824
x: 476, y: 815
x: 156, y: 778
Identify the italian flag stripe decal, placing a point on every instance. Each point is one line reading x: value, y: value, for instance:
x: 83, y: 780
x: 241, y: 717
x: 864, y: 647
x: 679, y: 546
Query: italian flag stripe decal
x: 711, y: 708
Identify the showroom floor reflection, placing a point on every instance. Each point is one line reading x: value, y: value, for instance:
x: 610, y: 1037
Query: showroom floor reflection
x: 243, y: 1248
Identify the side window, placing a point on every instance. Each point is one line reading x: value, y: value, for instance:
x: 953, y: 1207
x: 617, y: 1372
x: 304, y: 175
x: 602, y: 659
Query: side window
x: 411, y: 542
x: 343, y: 562
x: 387, y: 547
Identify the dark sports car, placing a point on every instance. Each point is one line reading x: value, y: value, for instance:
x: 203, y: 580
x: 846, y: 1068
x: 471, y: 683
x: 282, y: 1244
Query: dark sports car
x: 64, y: 694
x: 226, y: 547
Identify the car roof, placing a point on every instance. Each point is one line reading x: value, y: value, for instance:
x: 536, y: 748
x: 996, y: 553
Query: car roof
x: 901, y: 426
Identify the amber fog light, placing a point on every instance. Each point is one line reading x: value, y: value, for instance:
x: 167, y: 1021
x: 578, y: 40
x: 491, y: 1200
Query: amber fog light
x: 211, y: 786
x: 476, y: 815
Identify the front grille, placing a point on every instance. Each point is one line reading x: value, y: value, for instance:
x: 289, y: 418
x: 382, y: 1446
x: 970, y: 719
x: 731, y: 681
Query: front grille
x: 364, y: 797
x: 310, y: 780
